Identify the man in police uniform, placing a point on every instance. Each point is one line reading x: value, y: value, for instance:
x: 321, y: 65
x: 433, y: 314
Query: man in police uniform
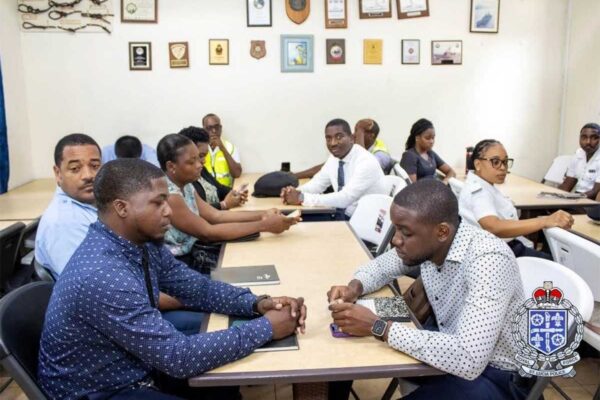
x: 223, y: 159
x: 583, y: 173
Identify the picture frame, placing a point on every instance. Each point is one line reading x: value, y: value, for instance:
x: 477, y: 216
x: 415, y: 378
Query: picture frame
x: 446, y: 52
x: 259, y: 13
x: 374, y: 9
x: 140, y: 56
x: 335, y: 51
x: 297, y: 53
x: 412, y: 8
x: 218, y: 51
x: 485, y: 16
x: 336, y: 14
x: 139, y: 11
x: 179, y: 55
x: 373, y: 51
x: 411, y: 51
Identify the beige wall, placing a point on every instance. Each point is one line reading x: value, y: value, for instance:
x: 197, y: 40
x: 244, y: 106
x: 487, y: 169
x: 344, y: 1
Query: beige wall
x: 19, y: 141
x: 582, y: 92
x: 510, y: 86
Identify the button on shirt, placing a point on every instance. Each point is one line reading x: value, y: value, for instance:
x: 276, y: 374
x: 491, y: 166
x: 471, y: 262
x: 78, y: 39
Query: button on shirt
x: 101, y: 333
x: 479, y: 199
x: 586, y: 172
x: 478, y: 290
x: 148, y: 154
x: 362, y: 176
x: 62, y: 228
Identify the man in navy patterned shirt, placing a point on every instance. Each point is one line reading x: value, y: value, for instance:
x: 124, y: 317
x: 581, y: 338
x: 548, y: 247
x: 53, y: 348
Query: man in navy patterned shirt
x: 103, y: 335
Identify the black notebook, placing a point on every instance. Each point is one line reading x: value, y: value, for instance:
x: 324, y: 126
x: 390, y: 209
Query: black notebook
x: 247, y: 276
x: 287, y: 343
x: 388, y: 308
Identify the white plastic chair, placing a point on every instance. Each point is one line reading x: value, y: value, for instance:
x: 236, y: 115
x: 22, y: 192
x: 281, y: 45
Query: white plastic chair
x: 371, y: 221
x: 558, y: 169
x: 534, y: 271
x: 456, y: 185
x: 578, y: 254
x: 399, y: 171
x: 593, y: 339
x: 393, y: 184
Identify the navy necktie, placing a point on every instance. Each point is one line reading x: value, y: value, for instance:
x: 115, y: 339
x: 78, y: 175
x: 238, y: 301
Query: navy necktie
x: 341, y: 181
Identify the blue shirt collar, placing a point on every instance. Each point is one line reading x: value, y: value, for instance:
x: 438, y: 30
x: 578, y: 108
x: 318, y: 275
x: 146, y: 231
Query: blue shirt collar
x: 61, y: 193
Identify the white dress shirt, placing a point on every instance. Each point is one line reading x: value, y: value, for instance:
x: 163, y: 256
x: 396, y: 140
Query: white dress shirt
x: 362, y: 175
x: 474, y: 294
x: 586, y: 172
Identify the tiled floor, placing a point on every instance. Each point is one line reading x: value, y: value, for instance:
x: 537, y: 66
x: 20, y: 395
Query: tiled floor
x: 581, y: 387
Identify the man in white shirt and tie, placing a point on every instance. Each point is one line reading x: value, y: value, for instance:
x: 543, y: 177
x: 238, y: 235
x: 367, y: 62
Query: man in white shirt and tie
x: 350, y: 169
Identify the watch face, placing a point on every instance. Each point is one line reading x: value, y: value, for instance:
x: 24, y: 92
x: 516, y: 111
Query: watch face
x: 378, y: 328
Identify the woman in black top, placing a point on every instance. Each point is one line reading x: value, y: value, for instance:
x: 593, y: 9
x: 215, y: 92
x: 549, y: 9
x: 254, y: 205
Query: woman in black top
x: 419, y: 160
x: 208, y: 188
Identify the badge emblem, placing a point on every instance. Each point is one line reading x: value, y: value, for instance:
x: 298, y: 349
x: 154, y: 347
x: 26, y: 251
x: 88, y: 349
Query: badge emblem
x: 258, y: 49
x: 297, y: 10
x: 546, y: 350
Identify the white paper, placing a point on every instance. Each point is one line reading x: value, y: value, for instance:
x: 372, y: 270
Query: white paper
x: 336, y: 9
x: 408, y: 6
x: 259, y: 12
x: 375, y: 6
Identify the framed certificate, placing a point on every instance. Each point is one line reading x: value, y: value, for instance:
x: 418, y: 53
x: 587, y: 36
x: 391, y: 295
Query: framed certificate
x: 412, y: 8
x: 485, y: 16
x: 259, y: 13
x: 218, y: 51
x: 375, y: 8
x: 336, y: 14
x: 411, y: 51
x: 446, y: 52
x: 373, y: 51
x: 139, y: 11
x: 140, y: 56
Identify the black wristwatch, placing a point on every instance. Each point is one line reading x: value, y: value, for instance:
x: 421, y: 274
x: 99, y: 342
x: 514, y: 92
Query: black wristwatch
x: 378, y: 329
x: 255, y: 305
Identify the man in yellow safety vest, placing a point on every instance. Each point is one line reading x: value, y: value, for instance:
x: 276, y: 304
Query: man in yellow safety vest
x: 223, y: 159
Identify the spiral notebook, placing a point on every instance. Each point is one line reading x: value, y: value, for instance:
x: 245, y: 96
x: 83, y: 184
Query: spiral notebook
x: 388, y: 308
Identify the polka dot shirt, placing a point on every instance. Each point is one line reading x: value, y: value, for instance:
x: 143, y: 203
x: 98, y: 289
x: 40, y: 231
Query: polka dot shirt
x: 101, y: 332
x: 474, y: 294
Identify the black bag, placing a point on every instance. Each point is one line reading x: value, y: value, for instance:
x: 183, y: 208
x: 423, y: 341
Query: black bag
x: 270, y: 185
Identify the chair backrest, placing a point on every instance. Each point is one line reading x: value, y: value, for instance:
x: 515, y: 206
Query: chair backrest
x: 22, y: 313
x: 558, y: 169
x: 27, y: 241
x: 9, y: 246
x: 42, y: 273
x: 399, y: 171
x: 534, y: 271
x: 371, y: 220
x: 456, y: 185
x: 393, y: 184
x: 578, y: 254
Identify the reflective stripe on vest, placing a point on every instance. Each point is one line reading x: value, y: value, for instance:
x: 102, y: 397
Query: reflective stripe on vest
x: 379, y: 146
x: 218, y: 166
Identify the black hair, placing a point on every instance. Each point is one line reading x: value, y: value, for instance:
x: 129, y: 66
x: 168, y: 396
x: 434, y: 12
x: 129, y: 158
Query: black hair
x: 122, y: 178
x: 433, y: 201
x: 195, y: 134
x: 479, y: 149
x: 74, y: 139
x: 418, y: 128
x: 591, y: 125
x: 339, y: 122
x: 168, y: 148
x: 374, y: 128
x: 128, y: 147
x: 208, y: 116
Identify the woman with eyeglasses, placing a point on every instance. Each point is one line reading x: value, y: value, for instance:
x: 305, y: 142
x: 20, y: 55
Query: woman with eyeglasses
x: 482, y: 204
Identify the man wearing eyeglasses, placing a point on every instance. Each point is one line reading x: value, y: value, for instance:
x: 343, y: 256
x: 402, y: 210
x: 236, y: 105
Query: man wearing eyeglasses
x: 482, y: 204
x: 223, y: 159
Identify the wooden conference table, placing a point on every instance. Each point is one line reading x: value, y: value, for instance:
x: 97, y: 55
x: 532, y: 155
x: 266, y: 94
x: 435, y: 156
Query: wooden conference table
x: 265, y: 203
x: 524, y: 194
x: 585, y: 228
x: 309, y: 258
x: 27, y: 202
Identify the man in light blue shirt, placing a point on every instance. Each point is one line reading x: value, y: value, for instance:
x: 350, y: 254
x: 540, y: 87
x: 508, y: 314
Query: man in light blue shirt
x: 129, y: 147
x: 65, y: 222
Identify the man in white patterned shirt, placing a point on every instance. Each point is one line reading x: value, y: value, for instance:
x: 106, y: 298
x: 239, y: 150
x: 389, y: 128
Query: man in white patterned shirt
x: 474, y: 287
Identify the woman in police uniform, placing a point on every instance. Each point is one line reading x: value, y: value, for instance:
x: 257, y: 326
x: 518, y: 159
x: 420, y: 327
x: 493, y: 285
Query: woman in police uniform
x: 483, y: 205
